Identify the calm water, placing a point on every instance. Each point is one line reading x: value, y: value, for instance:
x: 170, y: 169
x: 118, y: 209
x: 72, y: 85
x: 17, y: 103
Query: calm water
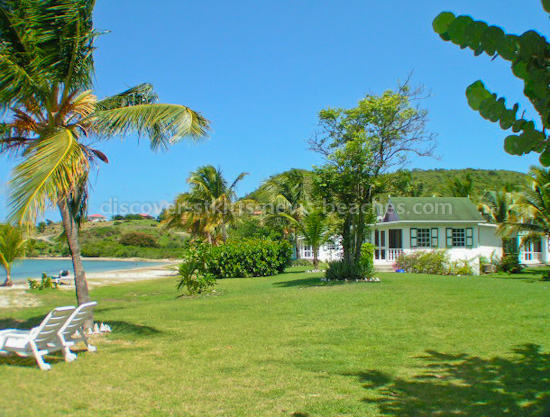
x: 33, y: 268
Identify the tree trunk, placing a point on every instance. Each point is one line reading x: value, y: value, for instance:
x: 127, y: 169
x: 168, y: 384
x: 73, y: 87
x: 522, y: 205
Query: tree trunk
x: 316, y: 257
x: 296, y: 243
x: 347, y: 240
x: 8, y: 282
x: 71, y: 231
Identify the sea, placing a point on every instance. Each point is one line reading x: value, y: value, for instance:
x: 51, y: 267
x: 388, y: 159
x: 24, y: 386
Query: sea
x: 33, y: 268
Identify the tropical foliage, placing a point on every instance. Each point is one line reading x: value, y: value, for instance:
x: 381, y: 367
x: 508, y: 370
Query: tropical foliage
x: 498, y: 208
x: 209, y: 207
x: 528, y: 55
x: 461, y: 187
x: 12, y: 246
x: 53, y: 117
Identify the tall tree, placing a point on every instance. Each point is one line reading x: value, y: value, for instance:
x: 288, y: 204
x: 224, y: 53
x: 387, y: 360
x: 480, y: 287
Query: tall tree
x: 209, y: 207
x: 52, y: 117
x: 12, y: 246
x: 360, y: 145
x: 529, y: 56
x: 498, y: 208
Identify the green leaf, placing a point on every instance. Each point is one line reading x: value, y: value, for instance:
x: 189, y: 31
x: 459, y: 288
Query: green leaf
x: 546, y: 6
x: 545, y: 157
x: 476, y: 94
x: 442, y: 22
x: 459, y: 29
x: 512, y: 145
x: 491, y: 38
x: 508, y: 47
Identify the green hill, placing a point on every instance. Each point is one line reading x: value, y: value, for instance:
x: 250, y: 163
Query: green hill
x: 436, y: 180
x: 120, y: 239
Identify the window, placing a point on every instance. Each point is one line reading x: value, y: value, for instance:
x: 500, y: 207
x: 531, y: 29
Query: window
x: 330, y: 246
x: 307, y: 251
x: 423, y: 238
x: 460, y: 238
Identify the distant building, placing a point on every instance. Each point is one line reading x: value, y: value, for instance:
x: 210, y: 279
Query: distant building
x: 96, y: 218
x: 145, y: 216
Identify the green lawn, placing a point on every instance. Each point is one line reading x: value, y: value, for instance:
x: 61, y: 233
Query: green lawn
x: 290, y: 345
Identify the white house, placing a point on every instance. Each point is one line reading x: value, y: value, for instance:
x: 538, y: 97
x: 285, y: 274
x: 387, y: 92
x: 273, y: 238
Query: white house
x: 95, y: 218
x: 429, y: 223
x: 453, y: 223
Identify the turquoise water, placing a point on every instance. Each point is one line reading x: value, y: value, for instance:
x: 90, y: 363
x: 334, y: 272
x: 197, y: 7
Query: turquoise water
x: 33, y: 268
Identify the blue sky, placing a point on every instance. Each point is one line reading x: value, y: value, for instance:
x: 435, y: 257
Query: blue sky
x: 261, y: 70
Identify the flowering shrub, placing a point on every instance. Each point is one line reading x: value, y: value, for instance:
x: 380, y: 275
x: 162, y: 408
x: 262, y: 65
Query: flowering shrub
x: 433, y: 262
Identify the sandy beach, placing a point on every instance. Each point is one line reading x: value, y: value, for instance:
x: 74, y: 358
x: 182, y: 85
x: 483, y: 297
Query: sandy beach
x: 19, y: 295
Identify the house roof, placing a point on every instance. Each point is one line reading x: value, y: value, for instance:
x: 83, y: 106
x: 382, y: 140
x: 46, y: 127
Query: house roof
x: 431, y: 209
x: 96, y: 216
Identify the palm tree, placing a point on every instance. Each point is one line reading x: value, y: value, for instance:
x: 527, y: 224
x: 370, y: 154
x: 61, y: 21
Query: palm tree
x: 533, y: 205
x: 461, y: 187
x: 52, y: 117
x: 498, y: 207
x: 314, y: 228
x: 209, y: 207
x: 12, y: 246
x: 287, y: 193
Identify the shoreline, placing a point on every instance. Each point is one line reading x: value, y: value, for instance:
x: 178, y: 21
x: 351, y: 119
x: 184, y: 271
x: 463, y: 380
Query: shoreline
x: 109, y: 259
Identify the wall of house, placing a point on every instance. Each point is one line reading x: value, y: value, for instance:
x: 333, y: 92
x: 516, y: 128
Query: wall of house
x: 327, y: 253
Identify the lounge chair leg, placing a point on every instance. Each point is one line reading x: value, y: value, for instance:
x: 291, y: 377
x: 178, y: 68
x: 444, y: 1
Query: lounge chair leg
x: 91, y: 348
x: 69, y: 356
x: 39, y: 359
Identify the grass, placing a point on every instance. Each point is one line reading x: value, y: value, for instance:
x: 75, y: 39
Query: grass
x: 289, y: 345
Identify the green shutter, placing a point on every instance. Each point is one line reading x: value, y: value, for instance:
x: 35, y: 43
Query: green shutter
x: 449, y: 237
x: 469, y: 237
x: 434, y: 241
x: 414, y: 238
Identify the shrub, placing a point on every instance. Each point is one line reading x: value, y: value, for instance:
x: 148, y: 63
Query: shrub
x: 367, y: 259
x: 301, y: 262
x: 253, y: 258
x: 462, y: 267
x: 192, y: 271
x: 340, y: 270
x: 46, y: 283
x: 430, y: 262
x: 138, y: 239
x: 508, y: 263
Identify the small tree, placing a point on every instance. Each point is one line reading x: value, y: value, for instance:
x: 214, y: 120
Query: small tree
x: 314, y: 227
x: 12, y: 246
x: 529, y: 56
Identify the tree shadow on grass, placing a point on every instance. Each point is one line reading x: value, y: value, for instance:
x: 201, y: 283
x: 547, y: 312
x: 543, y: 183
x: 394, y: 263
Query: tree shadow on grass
x: 124, y: 327
x: 12, y: 323
x: 469, y: 386
x: 307, y: 282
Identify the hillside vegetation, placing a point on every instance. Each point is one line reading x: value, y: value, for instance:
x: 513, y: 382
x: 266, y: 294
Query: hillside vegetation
x: 121, y: 239
x: 436, y: 180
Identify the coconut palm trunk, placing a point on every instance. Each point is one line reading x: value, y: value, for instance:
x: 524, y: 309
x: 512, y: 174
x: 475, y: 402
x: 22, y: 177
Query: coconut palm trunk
x: 8, y: 282
x: 71, y: 230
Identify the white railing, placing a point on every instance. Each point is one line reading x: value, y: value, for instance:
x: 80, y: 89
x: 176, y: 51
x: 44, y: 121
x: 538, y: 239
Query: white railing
x: 531, y: 256
x: 393, y: 254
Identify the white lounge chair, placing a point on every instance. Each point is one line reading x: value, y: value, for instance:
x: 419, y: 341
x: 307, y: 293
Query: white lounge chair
x: 39, y: 341
x: 72, y: 332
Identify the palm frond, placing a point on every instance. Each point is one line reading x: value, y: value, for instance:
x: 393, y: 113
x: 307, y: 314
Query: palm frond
x: 163, y: 124
x: 140, y: 94
x: 51, y: 171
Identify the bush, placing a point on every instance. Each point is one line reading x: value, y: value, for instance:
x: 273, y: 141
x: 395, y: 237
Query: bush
x: 425, y: 262
x: 138, y: 239
x: 253, y: 258
x: 46, y: 283
x: 462, y: 267
x: 367, y: 259
x: 340, y: 270
x: 192, y: 271
x: 301, y: 262
x: 508, y: 263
